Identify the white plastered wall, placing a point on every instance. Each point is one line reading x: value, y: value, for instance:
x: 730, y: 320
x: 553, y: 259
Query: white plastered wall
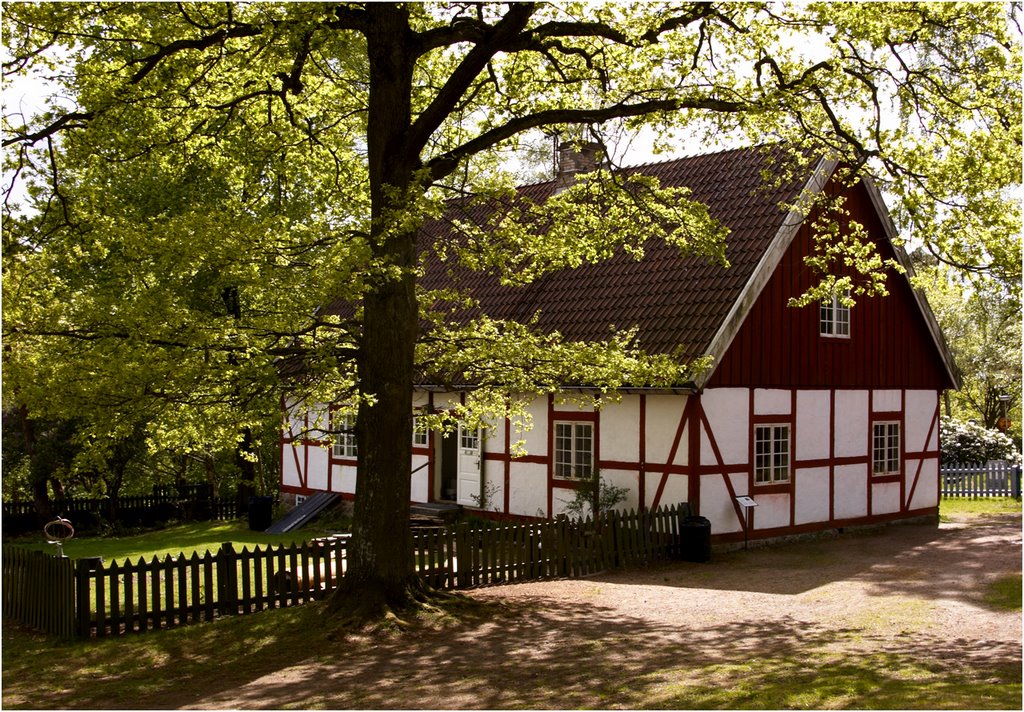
x: 727, y: 412
x: 291, y: 463
x: 316, y: 469
x: 528, y: 490
x: 676, y: 491
x: 344, y: 479
x: 851, y: 498
x: 813, y: 425
x: 620, y: 442
x: 922, y: 435
x: 420, y: 485
x: 812, y: 495
x: 772, y: 401
x: 772, y: 511
x: 885, y: 497
x: 628, y: 480
x: 716, y: 504
x: 926, y: 493
x: 662, y: 422
x: 851, y: 436
x: 620, y: 430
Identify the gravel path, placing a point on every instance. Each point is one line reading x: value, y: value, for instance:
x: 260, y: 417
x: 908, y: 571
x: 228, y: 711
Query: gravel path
x: 636, y: 638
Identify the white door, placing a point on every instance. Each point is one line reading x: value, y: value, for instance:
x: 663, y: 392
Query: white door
x: 470, y: 456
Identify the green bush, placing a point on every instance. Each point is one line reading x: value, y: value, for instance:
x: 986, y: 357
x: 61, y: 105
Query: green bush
x: 972, y: 444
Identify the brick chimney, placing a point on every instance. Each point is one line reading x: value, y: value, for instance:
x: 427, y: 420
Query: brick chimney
x: 573, y: 159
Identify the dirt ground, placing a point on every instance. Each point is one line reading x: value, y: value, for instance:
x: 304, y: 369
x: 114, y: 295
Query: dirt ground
x: 842, y: 606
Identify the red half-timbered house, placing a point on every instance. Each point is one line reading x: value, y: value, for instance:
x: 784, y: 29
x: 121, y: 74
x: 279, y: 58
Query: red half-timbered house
x: 825, y: 416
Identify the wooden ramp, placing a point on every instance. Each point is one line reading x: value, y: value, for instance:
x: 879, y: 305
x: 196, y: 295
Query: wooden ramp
x: 304, y: 513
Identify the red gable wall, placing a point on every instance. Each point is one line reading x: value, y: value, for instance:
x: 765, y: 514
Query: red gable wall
x: 779, y: 346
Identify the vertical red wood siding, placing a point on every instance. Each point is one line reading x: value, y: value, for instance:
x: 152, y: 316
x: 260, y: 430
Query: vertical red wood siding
x: 779, y: 346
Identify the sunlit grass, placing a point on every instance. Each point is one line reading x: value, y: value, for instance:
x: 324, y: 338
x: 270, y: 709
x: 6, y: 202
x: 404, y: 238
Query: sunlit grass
x: 957, y: 506
x: 1005, y: 593
x: 830, y: 681
x: 198, y: 537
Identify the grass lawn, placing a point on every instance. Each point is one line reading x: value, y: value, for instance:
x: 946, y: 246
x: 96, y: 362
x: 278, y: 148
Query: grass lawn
x: 190, y: 537
x: 963, y: 507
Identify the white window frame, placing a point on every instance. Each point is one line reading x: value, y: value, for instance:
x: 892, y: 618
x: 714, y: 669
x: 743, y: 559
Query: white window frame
x: 420, y: 436
x: 772, y: 463
x: 834, y: 317
x: 469, y: 438
x: 886, y: 455
x: 573, y: 457
x: 344, y: 437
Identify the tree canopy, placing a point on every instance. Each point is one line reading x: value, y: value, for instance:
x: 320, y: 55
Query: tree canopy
x: 207, y: 175
x: 982, y: 325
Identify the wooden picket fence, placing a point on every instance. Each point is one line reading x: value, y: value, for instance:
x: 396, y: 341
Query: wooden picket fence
x: 86, y: 598
x: 133, y: 510
x: 39, y: 590
x: 976, y: 481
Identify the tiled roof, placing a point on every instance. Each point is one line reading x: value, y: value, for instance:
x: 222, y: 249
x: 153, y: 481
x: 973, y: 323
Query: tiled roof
x: 677, y: 303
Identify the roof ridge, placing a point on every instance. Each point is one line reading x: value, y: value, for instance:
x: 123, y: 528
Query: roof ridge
x: 693, y: 156
x: 669, y: 161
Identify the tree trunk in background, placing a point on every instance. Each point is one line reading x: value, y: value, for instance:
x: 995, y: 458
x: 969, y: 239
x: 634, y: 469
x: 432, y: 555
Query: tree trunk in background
x: 40, y: 495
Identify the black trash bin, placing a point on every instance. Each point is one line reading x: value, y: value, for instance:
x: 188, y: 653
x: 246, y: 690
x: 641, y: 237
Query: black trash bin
x: 695, y: 539
x: 261, y: 513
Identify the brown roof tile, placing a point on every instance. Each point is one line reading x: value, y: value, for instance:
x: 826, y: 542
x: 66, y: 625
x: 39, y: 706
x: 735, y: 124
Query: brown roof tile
x: 675, y: 302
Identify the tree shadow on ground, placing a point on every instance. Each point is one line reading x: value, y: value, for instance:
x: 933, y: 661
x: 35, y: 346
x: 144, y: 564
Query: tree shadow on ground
x: 554, y: 654
x: 923, y: 561
x: 601, y: 646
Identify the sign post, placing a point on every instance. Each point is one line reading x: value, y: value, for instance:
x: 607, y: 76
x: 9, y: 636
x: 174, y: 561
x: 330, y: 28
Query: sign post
x: 748, y: 505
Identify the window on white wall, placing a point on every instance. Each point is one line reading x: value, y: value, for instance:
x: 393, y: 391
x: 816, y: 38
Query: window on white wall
x: 420, y: 435
x: 574, y: 450
x: 771, y: 453
x: 885, y: 448
x: 344, y: 436
x: 835, y: 316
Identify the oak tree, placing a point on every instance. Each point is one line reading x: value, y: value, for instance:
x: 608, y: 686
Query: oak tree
x: 206, y: 176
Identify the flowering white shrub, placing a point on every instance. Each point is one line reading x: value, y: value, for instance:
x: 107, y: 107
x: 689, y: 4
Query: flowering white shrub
x: 971, y: 444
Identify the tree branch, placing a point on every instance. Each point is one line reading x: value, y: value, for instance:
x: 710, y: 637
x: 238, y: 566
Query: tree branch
x: 465, y: 74
x: 443, y: 165
x: 150, y: 63
x: 48, y: 131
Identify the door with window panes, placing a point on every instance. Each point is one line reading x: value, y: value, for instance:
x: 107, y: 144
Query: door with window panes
x: 469, y: 459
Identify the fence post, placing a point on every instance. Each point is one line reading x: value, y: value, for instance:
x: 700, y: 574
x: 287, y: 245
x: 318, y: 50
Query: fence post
x: 1015, y: 481
x: 84, y: 573
x: 227, y: 575
x: 462, y: 555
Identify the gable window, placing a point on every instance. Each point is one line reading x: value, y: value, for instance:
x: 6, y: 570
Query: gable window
x: 574, y: 450
x: 345, y: 437
x: 771, y: 453
x: 885, y: 448
x: 834, y: 319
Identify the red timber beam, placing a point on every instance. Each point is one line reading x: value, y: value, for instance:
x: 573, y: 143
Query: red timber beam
x: 923, y: 455
x: 722, y: 469
x: 683, y: 418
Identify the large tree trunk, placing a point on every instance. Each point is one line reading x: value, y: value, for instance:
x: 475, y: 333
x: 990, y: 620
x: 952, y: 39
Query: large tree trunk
x: 380, y: 571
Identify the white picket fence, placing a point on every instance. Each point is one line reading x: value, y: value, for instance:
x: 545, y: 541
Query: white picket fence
x: 991, y: 480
